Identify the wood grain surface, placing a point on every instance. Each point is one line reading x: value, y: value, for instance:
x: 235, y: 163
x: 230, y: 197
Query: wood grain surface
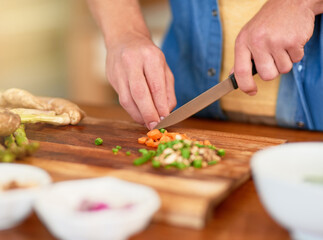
x: 241, y: 216
x: 188, y: 196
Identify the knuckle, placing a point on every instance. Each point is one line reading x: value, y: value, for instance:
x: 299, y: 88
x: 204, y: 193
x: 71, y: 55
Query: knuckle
x: 172, y: 104
x: 268, y: 75
x: 298, y: 57
x: 285, y: 68
x: 138, y: 93
x: 124, y: 101
x: 155, y: 87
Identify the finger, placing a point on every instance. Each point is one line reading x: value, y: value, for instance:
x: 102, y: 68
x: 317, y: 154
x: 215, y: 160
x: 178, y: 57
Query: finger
x: 243, y: 69
x: 170, y: 88
x: 283, y: 61
x: 125, y: 97
x: 296, y: 54
x: 142, y: 97
x: 265, y: 65
x: 156, y: 78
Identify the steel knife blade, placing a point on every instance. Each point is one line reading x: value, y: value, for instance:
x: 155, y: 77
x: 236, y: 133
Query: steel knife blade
x: 203, y: 100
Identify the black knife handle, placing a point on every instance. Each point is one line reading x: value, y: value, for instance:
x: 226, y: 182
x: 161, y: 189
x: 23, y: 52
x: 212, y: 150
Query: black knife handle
x: 233, y: 79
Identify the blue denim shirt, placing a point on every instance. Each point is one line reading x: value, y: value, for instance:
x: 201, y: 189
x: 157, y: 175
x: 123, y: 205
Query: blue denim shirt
x: 193, y: 50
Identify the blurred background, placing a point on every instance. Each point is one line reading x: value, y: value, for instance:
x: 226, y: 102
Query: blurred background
x: 54, y: 48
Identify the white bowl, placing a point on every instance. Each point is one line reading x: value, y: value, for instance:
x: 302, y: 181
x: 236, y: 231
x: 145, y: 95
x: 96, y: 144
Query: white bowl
x: 59, y: 208
x: 16, y: 204
x: 280, y: 175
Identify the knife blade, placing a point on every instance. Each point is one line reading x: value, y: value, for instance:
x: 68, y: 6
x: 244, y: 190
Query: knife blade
x: 202, y: 101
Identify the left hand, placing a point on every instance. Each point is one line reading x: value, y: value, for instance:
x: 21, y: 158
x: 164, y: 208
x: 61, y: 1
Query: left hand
x: 275, y: 39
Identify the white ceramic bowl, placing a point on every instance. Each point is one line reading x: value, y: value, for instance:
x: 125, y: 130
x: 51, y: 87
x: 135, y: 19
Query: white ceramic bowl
x: 16, y: 204
x: 58, y: 207
x: 280, y: 175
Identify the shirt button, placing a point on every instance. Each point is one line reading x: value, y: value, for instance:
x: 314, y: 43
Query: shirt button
x: 299, y: 68
x: 214, y: 13
x: 211, y: 72
x: 300, y: 124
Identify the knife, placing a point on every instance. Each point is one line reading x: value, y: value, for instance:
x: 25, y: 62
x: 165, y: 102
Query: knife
x: 203, y: 100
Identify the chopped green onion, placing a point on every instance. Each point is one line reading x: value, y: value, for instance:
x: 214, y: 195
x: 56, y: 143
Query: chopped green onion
x: 199, y: 145
x: 144, y: 158
x: 156, y: 164
x: 118, y: 147
x: 211, y: 147
x: 143, y: 151
x: 197, y: 163
x: 212, y: 162
x: 181, y: 165
x: 98, y: 141
x: 186, y: 153
x: 128, y: 153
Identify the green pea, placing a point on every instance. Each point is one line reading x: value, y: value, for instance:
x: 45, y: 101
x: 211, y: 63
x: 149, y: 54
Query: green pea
x: 98, y: 141
x: 128, y: 153
x: 118, y: 147
x: 162, y: 130
x: 221, y: 152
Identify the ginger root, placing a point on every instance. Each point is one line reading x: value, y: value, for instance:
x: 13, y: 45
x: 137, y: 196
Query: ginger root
x: 66, y: 111
x: 9, y: 122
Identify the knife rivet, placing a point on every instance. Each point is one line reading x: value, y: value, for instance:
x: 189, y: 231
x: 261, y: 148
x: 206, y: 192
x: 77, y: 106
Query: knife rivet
x: 300, y: 124
x: 211, y: 72
x: 214, y: 13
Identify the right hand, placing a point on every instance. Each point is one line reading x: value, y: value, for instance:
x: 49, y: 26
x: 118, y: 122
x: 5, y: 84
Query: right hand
x: 137, y: 70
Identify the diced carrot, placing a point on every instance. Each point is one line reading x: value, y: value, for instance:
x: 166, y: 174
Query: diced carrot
x: 165, y: 138
x: 172, y: 135
x: 142, y: 140
x: 155, y: 144
x: 184, y: 136
x: 207, y: 142
x: 154, y: 134
x: 151, y: 143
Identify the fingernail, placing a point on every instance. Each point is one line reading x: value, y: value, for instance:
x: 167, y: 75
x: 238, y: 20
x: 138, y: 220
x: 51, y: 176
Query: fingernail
x: 252, y: 93
x: 162, y: 118
x: 152, y: 125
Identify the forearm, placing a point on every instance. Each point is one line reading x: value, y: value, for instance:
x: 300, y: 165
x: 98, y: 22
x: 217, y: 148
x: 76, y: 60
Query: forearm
x: 118, y: 18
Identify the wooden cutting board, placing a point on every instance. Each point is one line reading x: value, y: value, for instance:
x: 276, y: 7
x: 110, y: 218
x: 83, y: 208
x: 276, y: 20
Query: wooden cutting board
x: 188, y: 196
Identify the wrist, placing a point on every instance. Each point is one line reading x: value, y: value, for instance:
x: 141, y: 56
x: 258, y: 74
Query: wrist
x: 316, y: 6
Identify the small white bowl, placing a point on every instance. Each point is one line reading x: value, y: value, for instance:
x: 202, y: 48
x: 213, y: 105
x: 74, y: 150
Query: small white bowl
x: 280, y: 175
x: 59, y: 208
x: 16, y: 204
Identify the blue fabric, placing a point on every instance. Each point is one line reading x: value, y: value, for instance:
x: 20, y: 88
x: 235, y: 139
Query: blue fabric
x: 193, y: 45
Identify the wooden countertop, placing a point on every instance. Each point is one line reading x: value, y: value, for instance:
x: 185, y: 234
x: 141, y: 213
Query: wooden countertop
x: 240, y: 216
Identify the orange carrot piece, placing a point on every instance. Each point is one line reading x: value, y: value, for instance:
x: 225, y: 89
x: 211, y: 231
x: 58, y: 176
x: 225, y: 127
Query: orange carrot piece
x: 154, y: 134
x: 165, y: 138
x: 155, y: 144
x: 151, y: 143
x: 207, y: 142
x: 142, y: 140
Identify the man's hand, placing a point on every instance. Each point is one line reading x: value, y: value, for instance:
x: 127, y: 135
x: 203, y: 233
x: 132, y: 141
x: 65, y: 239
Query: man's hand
x: 275, y: 39
x: 138, y: 71
x: 136, y: 67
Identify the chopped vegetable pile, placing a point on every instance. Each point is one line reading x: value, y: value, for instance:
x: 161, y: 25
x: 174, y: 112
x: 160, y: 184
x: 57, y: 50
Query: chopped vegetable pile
x: 154, y: 137
x: 177, y: 150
